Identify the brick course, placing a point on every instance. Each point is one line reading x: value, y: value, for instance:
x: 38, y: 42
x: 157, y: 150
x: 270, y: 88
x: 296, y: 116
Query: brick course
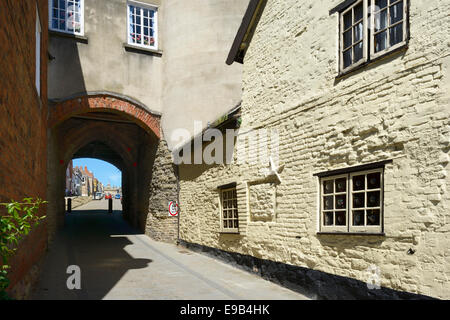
x: 23, y: 126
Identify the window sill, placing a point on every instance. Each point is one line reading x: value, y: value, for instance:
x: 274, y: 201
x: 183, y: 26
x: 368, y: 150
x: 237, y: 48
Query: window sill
x: 229, y: 232
x: 137, y: 49
x: 381, y: 234
x: 76, y: 37
x: 343, y: 74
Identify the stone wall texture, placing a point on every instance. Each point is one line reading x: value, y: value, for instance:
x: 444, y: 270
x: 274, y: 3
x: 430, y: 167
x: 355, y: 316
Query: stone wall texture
x: 397, y: 108
x: 163, y: 188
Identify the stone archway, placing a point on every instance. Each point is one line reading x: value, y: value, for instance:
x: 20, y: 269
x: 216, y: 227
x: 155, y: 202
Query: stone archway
x: 130, y: 138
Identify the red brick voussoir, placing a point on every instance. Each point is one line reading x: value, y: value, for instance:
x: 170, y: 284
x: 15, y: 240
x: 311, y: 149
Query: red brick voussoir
x: 63, y: 110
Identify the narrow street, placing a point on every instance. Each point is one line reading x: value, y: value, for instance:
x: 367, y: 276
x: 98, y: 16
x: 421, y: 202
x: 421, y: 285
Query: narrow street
x: 118, y: 263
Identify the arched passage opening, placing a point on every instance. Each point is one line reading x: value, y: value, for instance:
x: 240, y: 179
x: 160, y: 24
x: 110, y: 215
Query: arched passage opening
x: 112, y: 129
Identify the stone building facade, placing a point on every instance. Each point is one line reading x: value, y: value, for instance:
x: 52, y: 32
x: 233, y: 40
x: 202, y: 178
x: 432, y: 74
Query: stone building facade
x: 388, y: 118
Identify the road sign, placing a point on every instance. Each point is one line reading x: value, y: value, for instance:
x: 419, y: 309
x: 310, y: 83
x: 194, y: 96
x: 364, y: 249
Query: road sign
x: 174, y: 209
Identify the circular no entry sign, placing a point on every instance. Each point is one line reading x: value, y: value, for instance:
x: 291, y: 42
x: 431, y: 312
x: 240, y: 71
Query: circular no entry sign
x: 174, y: 209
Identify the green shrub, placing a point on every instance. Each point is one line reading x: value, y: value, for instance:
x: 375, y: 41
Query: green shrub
x: 16, y: 224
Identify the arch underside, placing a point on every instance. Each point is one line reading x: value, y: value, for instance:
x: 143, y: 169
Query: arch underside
x: 108, y: 129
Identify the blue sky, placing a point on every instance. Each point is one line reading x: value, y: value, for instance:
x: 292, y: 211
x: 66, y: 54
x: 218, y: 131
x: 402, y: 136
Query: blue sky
x: 103, y: 171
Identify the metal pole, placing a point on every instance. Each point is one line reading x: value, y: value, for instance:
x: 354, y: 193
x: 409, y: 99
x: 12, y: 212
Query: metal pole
x: 69, y: 205
x: 177, y: 168
x: 110, y: 203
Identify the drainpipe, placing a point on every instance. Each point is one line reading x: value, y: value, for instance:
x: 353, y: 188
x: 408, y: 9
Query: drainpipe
x: 177, y: 173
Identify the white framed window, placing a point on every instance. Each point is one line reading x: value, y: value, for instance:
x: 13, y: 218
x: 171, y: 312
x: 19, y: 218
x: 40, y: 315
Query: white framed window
x: 142, y: 25
x: 388, y: 26
x: 353, y: 35
x: 66, y: 16
x: 352, y: 202
x: 38, y: 53
x: 229, y: 221
x: 369, y: 29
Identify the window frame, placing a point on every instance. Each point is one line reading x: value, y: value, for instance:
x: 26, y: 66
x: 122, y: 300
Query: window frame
x: 221, y: 208
x: 369, y: 54
x: 334, y: 227
x: 50, y: 18
x: 365, y: 37
x: 349, y: 228
x: 366, y: 228
x: 38, y: 46
x: 142, y: 6
x: 405, y: 22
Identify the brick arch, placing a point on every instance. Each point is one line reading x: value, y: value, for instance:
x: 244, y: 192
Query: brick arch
x: 105, y: 102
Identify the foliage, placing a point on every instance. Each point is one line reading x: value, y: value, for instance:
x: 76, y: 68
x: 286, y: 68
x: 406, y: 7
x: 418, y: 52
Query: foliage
x: 17, y: 223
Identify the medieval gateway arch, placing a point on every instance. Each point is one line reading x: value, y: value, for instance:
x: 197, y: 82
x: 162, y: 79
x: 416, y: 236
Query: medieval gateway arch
x: 119, y: 101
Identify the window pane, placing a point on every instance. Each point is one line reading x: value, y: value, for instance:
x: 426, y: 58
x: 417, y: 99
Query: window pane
x: 62, y: 25
x: 55, y: 13
x: 374, y: 180
x: 328, y: 186
x: 62, y: 4
x: 236, y: 224
x: 235, y: 214
x: 225, y: 214
x: 328, y: 203
x: 358, y: 51
x: 225, y: 195
x: 340, y: 218
x: 55, y: 23
x: 225, y: 224
x: 373, y: 199
x: 225, y: 204
x: 358, y: 32
x: 341, y: 201
x: 381, y: 20
x: 347, y: 58
x: 358, y: 200
x: 380, y: 41
x: 62, y: 14
x: 358, y: 12
x: 359, y: 182
x: 138, y: 19
x: 396, y: 34
x: 328, y: 218
x: 347, y: 39
x: 348, y: 20
x: 341, y: 185
x: 358, y: 218
x: 381, y: 3
x: 396, y: 12
x: 373, y: 217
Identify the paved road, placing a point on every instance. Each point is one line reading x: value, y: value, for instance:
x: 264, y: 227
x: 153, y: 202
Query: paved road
x: 118, y: 263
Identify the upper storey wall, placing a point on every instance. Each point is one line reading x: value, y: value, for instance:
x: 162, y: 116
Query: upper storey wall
x: 187, y: 80
x: 198, y: 85
x: 103, y: 64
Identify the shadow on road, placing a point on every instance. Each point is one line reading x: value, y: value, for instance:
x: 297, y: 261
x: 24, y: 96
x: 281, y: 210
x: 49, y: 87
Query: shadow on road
x: 95, y: 241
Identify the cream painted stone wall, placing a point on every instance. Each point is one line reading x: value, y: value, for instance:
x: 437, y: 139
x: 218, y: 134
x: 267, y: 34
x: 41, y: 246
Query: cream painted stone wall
x: 397, y: 108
